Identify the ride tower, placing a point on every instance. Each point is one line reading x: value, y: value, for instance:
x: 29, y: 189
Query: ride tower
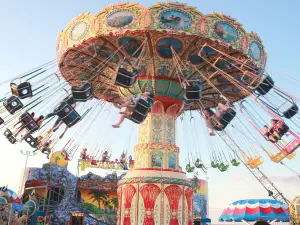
x: 185, y: 59
x: 156, y: 191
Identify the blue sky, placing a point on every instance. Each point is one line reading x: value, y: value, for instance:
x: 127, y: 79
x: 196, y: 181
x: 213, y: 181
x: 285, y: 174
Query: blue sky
x: 29, y: 31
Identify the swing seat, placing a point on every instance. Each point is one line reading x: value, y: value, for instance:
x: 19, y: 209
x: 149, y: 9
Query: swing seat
x: 279, y: 156
x: 235, y: 163
x: 189, y: 168
x: 13, y: 104
x: 265, y: 86
x: 9, y: 136
x: 33, y: 142
x: 223, y: 167
x: 255, y: 162
x: 126, y: 75
x: 140, y: 111
x: 67, y: 114
x: 22, y: 90
x: 292, y: 111
x: 94, y: 162
x: 83, y: 93
x: 29, y: 123
x: 215, y: 165
x: 291, y: 156
x: 292, y: 146
x: 194, y: 91
x: 225, y: 120
x: 1, y: 121
x: 281, y: 127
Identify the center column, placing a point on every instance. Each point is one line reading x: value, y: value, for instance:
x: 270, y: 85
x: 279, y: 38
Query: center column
x: 156, y: 191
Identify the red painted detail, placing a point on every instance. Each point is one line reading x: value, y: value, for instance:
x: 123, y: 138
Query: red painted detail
x: 189, y: 198
x: 150, y: 77
x: 173, y: 193
x: 172, y: 110
x: 160, y: 169
x: 128, y: 192
x: 157, y: 107
x: 149, y: 193
x: 119, y: 194
x: 169, y: 101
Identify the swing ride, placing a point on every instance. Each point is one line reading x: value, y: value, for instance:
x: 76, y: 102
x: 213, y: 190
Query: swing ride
x: 155, y: 65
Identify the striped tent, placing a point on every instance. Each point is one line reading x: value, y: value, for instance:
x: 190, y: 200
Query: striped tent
x: 256, y: 209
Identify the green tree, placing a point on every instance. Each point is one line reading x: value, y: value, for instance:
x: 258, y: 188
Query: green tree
x: 98, y: 196
x: 106, y: 203
x: 114, y: 201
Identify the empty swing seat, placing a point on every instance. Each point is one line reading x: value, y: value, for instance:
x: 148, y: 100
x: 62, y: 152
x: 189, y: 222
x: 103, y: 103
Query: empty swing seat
x: 33, y: 142
x: 83, y: 93
x: 67, y: 114
x: 225, y: 120
x: 126, y: 75
x: 22, y: 90
x: 10, y: 137
x: 140, y: 111
x: 292, y: 146
x: 292, y: 111
x: 192, y: 93
x: 13, y: 104
x: 29, y: 123
x: 265, y: 86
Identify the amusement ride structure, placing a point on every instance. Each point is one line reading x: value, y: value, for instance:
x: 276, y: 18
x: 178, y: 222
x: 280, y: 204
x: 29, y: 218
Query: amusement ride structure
x: 156, y: 64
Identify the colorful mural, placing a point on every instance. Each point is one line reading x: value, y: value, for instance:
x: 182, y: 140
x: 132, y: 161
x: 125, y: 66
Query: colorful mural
x: 164, y: 47
x: 175, y: 19
x: 255, y: 50
x: 200, y: 199
x: 172, y: 162
x: 157, y: 159
x: 225, y: 31
x: 131, y: 46
x: 120, y: 18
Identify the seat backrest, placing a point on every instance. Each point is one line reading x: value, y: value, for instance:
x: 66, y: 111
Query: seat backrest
x: 13, y: 104
x: 83, y: 93
x: 25, y: 90
x: 29, y: 123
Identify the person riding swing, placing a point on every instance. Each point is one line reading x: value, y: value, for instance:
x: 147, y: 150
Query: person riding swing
x: 128, y: 106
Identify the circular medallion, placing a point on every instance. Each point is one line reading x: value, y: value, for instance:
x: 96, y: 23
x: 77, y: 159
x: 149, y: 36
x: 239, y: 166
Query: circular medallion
x: 79, y: 30
x: 255, y: 50
x: 120, y: 18
x: 131, y: 46
x: 175, y: 19
x: 164, y: 47
x: 195, y: 59
x: 225, y: 31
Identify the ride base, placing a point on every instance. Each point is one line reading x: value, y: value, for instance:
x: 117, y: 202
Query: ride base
x: 156, y: 191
